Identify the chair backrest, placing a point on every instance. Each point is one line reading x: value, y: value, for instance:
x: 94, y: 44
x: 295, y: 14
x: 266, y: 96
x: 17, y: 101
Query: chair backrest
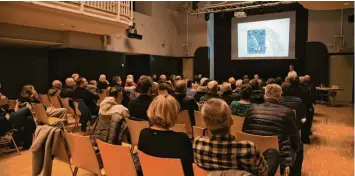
x: 199, y: 120
x: 198, y: 131
x: 45, y: 100
x: 237, y: 124
x: 135, y: 128
x: 41, y: 114
x: 117, y: 159
x: 179, y: 128
x: 198, y: 171
x: 184, y: 118
x: 65, y: 103
x: 262, y: 142
x: 82, y: 153
x: 154, y: 166
x: 62, y: 154
x: 54, y: 101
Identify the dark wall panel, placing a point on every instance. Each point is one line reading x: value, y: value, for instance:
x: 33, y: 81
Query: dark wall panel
x: 137, y: 65
x: 201, y: 62
x: 165, y: 65
x: 225, y: 67
x: 20, y: 66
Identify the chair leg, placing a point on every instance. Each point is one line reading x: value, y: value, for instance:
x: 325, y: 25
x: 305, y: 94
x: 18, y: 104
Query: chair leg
x: 75, y: 171
x: 12, y: 139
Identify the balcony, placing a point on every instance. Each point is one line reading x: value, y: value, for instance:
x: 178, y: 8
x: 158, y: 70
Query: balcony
x: 95, y: 17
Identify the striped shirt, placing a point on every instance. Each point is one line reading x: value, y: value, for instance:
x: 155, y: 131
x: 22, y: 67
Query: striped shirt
x: 222, y: 152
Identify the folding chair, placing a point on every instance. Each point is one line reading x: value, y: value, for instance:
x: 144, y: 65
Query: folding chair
x: 199, y: 171
x: 117, y: 159
x: 45, y: 100
x: 179, y: 128
x: 8, y: 139
x: 199, y: 120
x: 74, y: 113
x: 184, y: 118
x: 54, y: 101
x: 135, y: 128
x: 42, y: 117
x: 155, y: 166
x: 237, y: 124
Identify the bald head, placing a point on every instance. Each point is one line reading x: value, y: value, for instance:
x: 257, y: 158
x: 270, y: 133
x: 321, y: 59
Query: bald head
x: 162, y: 78
x: 69, y: 82
x: 212, y: 87
x: 57, y: 84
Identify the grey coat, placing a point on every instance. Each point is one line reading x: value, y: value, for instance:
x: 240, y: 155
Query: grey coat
x: 110, y: 128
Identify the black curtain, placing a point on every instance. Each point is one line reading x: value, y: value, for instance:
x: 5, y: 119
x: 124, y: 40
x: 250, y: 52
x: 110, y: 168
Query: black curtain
x: 165, y: 65
x: 201, y: 62
x: 317, y: 62
x: 137, y: 65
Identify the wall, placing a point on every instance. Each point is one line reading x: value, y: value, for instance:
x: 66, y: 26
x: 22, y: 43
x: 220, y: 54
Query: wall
x: 160, y: 33
x: 324, y: 25
x: 341, y: 71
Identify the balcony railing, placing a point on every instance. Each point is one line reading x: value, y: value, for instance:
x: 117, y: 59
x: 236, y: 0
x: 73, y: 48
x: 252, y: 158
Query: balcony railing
x: 118, y: 11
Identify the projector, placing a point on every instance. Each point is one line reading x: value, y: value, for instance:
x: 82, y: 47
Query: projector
x: 240, y: 14
x: 131, y: 32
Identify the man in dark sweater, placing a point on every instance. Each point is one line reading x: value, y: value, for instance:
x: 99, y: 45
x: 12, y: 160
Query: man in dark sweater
x: 186, y: 102
x: 69, y: 88
x: 228, y: 96
x: 138, y: 107
x: 212, y: 91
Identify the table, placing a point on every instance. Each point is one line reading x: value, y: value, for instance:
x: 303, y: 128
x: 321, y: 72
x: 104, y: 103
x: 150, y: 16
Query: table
x: 332, y: 92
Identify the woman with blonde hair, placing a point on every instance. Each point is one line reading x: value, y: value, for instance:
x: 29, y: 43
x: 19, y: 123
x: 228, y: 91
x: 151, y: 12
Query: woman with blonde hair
x: 159, y: 141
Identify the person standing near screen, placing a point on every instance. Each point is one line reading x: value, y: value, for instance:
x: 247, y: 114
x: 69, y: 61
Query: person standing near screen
x: 292, y: 72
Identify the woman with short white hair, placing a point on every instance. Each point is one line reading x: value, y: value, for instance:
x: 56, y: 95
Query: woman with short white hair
x: 102, y: 83
x: 159, y: 141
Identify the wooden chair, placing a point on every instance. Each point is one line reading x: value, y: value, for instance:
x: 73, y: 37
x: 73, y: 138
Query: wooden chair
x: 179, y: 128
x: 184, y: 118
x: 45, y: 100
x: 237, y: 124
x: 42, y: 117
x: 155, y: 166
x: 199, y: 171
x: 71, y: 113
x: 117, y: 159
x: 198, y: 131
x: 102, y: 96
x: 262, y: 142
x: 54, y: 101
x: 82, y: 154
x: 8, y: 139
x: 199, y: 120
x: 135, y: 128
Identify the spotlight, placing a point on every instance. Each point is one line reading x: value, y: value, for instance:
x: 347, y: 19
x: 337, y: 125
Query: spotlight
x: 207, y: 16
x: 131, y: 32
x: 194, y: 5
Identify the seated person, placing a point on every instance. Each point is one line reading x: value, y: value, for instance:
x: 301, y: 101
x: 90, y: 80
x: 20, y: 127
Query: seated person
x: 132, y: 78
x: 29, y: 95
x: 21, y: 120
x: 240, y: 108
x: 75, y: 76
x: 116, y: 81
x: 190, y: 91
x: 139, y: 106
x: 92, y: 86
x: 159, y: 141
x: 129, y: 85
x: 56, y: 88
x: 238, y: 84
x: 186, y: 102
x: 68, y: 89
x: 200, y: 92
x: 102, y: 83
x: 111, y: 130
x: 221, y: 151
x: 162, y: 88
x: 273, y: 119
x: 232, y: 82
x: 270, y: 81
x: 212, y: 91
x: 278, y: 81
x: 227, y: 94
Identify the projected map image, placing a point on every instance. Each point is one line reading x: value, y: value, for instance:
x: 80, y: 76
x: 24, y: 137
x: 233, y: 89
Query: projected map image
x: 256, y: 41
x: 268, y: 38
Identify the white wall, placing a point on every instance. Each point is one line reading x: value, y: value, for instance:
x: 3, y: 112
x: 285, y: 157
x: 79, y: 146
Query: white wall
x: 324, y: 25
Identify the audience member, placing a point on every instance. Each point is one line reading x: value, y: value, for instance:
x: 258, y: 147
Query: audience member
x: 310, y: 112
x: 245, y: 81
x: 270, y: 81
x: 273, y: 119
x: 102, y: 83
x: 238, y: 84
x: 116, y: 81
x: 92, y: 86
x: 138, y: 107
x: 222, y: 151
x: 75, y: 76
x: 162, y: 89
x: 129, y: 85
x: 212, y: 88
x: 278, y: 81
x: 177, y: 78
x: 190, y: 91
x: 172, y: 79
x: 186, y: 102
x: 159, y: 141
x: 240, y: 108
x: 68, y: 89
x: 162, y: 78
x: 203, y: 81
x: 292, y: 73
x: 227, y: 94
x: 154, y: 78
x: 21, y: 120
x: 56, y: 88
x: 245, y: 77
x: 232, y: 81
x: 110, y: 127
x: 200, y: 92
x: 132, y: 78
x: 29, y: 95
x: 198, y: 79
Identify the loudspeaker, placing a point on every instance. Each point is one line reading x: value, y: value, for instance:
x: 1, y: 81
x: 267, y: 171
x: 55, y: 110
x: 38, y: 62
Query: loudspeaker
x: 351, y: 18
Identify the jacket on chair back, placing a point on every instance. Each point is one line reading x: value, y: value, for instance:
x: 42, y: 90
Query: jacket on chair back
x: 273, y: 119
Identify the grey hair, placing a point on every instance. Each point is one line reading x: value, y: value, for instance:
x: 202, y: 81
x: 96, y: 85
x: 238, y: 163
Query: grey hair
x: 226, y: 87
x: 273, y: 91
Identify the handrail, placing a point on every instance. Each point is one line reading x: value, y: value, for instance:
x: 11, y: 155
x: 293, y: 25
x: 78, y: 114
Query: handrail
x: 118, y: 11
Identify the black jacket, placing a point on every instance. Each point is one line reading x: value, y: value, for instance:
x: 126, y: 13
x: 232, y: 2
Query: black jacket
x: 198, y: 96
x: 229, y: 96
x: 88, y: 97
x: 138, y: 107
x: 67, y: 92
x: 273, y: 119
x: 187, y: 103
x: 209, y: 95
x: 295, y: 103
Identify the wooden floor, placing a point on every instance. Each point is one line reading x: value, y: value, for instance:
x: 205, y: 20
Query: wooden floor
x: 331, y: 152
